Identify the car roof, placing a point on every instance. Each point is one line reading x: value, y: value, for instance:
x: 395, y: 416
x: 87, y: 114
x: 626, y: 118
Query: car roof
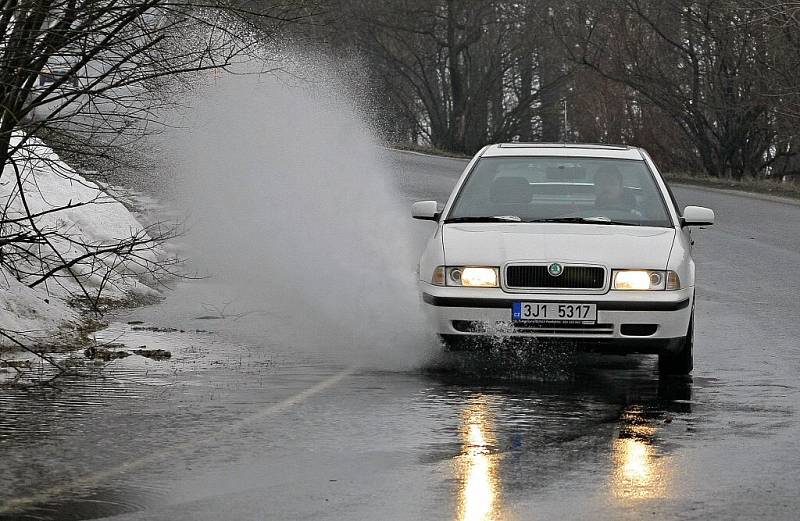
x: 563, y: 150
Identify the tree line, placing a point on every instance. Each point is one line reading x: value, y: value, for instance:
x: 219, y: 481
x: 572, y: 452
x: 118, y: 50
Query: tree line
x: 707, y: 86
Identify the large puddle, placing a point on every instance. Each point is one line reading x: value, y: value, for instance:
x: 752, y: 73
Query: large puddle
x: 116, y: 439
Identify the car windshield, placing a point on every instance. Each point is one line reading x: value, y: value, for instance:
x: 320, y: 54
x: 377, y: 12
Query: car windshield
x: 561, y: 189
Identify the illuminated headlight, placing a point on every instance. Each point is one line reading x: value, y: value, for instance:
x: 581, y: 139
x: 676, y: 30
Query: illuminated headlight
x: 467, y: 276
x: 644, y: 280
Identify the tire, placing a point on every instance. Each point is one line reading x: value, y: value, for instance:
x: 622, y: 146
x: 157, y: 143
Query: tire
x: 682, y: 361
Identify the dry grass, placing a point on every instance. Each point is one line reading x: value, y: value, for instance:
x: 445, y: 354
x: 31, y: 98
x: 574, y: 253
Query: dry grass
x: 427, y: 150
x: 756, y: 185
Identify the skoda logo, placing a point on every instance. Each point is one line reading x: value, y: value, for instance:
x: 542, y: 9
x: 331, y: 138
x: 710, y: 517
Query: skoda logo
x: 555, y: 269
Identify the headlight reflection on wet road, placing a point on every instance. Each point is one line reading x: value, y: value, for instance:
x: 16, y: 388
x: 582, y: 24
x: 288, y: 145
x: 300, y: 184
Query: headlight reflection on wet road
x: 479, y: 483
x: 638, y: 471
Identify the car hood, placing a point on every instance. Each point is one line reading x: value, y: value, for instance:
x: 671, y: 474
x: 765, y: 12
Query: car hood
x: 494, y: 244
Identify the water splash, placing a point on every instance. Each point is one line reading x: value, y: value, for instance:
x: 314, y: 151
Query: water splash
x: 295, y: 210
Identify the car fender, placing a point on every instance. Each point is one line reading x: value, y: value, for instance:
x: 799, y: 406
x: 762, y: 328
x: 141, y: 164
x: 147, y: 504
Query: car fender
x: 680, y: 259
x: 432, y: 256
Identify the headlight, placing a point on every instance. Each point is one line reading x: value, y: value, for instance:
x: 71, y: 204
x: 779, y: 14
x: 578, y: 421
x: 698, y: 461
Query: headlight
x: 466, y: 276
x: 479, y: 277
x: 643, y: 280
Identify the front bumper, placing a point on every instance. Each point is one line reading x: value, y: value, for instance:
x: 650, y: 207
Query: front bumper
x: 651, y: 321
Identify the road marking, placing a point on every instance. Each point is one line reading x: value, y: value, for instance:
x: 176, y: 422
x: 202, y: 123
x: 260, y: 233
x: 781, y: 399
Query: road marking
x: 15, y: 504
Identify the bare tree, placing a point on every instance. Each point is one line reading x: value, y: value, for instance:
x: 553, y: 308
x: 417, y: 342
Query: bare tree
x: 782, y: 65
x: 92, y: 75
x: 707, y: 85
x: 463, y: 71
x: 699, y: 62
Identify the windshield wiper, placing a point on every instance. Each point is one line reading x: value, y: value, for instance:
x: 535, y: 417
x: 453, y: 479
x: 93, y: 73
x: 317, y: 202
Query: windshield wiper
x: 491, y: 219
x: 584, y: 220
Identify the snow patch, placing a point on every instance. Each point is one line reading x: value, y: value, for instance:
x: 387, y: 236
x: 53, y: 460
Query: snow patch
x: 88, y: 218
x: 29, y: 313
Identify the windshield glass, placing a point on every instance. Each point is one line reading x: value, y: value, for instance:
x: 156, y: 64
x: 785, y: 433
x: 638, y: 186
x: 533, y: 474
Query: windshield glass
x: 580, y: 190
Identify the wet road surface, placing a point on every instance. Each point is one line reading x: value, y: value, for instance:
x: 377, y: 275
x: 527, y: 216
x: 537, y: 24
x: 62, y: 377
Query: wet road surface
x: 245, y: 427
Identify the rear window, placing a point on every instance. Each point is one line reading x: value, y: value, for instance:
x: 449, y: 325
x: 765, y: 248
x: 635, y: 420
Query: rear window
x: 542, y: 188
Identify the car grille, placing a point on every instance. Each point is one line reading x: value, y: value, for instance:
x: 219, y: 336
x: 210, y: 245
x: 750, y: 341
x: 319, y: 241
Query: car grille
x: 573, y: 277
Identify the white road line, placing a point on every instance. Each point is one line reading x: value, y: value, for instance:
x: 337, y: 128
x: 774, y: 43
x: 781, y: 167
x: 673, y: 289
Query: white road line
x: 18, y: 503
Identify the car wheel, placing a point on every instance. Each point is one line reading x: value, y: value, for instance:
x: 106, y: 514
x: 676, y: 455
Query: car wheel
x: 682, y: 361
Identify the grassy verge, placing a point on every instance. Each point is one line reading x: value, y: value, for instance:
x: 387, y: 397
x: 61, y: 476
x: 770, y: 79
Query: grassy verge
x: 427, y: 150
x: 760, y: 185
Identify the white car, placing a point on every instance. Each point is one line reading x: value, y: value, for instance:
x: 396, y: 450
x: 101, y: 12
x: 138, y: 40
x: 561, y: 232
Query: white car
x: 583, y: 243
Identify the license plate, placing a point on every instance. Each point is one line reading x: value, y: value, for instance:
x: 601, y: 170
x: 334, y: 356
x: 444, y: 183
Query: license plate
x: 554, y: 312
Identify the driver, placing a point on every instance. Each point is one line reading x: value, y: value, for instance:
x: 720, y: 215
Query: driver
x: 609, y: 190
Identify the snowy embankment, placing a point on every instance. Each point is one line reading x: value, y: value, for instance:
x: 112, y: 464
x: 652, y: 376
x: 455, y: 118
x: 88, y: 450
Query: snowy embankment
x: 78, y: 218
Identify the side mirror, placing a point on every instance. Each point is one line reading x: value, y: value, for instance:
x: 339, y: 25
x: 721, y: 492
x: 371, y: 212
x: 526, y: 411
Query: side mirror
x: 425, y: 210
x: 697, y: 216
